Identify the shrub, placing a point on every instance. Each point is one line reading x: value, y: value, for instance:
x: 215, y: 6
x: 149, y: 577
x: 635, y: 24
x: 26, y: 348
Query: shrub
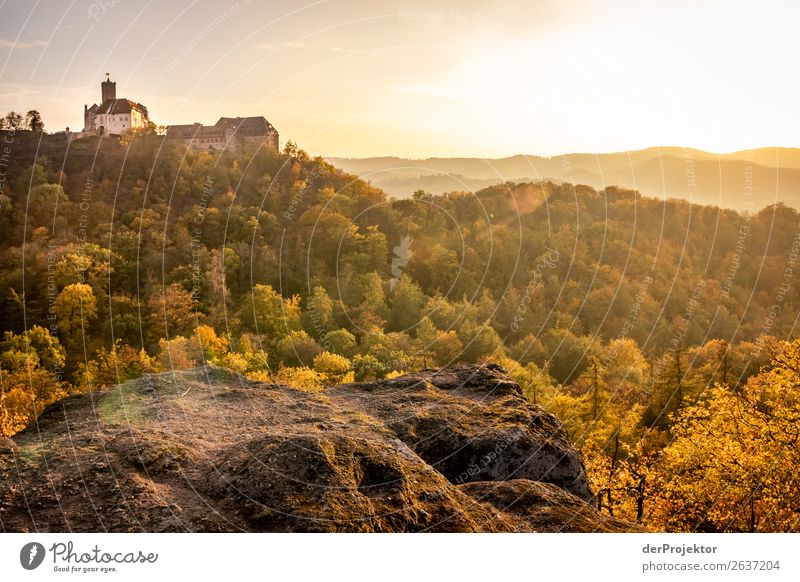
x: 303, y: 378
x: 333, y: 368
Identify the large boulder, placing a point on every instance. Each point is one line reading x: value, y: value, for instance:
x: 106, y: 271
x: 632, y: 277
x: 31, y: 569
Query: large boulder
x: 542, y: 507
x: 472, y: 424
x: 457, y: 450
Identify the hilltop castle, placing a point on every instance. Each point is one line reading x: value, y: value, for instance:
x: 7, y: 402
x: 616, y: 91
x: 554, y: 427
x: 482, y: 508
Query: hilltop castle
x: 114, y: 116
x: 228, y: 133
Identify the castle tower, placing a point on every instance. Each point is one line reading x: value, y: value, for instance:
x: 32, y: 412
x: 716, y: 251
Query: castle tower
x: 108, y: 89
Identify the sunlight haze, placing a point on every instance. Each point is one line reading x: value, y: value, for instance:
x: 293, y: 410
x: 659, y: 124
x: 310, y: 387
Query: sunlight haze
x: 418, y: 79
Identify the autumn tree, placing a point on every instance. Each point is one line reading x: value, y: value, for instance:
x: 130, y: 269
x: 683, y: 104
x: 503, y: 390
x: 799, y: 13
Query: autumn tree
x: 116, y: 365
x: 733, y: 463
x: 266, y: 312
x: 370, y: 311
x: 171, y: 312
x: 333, y: 368
x: 297, y: 349
x: 75, y: 308
x: 31, y: 368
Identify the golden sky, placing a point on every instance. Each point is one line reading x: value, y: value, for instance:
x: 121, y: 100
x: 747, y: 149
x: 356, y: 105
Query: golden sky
x: 418, y: 79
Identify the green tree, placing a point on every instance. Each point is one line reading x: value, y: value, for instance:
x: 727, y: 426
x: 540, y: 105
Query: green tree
x: 340, y: 341
x: 480, y: 341
x: 567, y: 354
x: 270, y: 314
x: 318, y: 314
x: 367, y: 367
x: 407, y: 302
x: 371, y: 312
x: 297, y: 349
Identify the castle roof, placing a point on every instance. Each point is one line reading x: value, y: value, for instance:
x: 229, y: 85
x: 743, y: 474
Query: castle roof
x: 120, y: 106
x: 194, y: 130
x: 226, y: 128
x: 246, y: 126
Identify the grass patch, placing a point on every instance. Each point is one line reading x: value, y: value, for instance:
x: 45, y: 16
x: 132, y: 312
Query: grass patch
x: 30, y: 453
x: 125, y: 404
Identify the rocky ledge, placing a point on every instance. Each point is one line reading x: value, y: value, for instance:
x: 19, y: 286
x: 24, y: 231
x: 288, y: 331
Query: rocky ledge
x: 455, y: 450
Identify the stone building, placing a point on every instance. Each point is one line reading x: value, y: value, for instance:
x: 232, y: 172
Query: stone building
x: 229, y: 133
x: 114, y: 116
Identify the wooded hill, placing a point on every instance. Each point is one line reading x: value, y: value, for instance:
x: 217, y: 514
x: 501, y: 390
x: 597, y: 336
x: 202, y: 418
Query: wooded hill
x: 618, y: 312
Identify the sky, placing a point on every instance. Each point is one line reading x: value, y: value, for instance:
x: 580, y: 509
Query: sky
x: 419, y: 78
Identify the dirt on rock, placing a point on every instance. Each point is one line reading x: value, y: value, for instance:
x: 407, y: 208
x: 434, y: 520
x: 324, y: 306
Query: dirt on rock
x: 456, y: 450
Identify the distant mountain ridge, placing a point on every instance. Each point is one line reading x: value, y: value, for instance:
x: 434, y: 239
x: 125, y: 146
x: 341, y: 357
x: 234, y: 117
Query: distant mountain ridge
x: 746, y: 180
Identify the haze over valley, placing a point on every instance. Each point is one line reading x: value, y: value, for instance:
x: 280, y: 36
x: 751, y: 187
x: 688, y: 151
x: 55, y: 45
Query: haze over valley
x: 745, y: 181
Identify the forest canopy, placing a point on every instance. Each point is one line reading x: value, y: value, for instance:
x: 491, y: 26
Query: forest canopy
x: 653, y: 328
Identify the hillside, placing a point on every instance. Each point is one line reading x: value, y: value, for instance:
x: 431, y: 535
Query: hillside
x: 207, y: 450
x: 773, y: 174
x: 628, y: 317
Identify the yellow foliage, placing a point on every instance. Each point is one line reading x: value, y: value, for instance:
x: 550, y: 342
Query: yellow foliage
x: 30, y: 377
x: 303, y: 378
x: 115, y: 366
x: 733, y: 463
x: 214, y: 347
x: 256, y: 357
x: 258, y: 376
x: 333, y: 368
x: 24, y: 394
x: 236, y: 362
x: 75, y: 307
x: 16, y: 409
x: 179, y: 353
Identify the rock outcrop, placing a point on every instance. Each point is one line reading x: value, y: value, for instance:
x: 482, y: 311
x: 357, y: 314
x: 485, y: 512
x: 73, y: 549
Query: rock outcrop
x: 455, y: 450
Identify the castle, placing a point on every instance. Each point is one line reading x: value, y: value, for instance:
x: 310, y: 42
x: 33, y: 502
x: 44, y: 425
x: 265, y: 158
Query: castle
x: 229, y: 133
x: 114, y: 116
